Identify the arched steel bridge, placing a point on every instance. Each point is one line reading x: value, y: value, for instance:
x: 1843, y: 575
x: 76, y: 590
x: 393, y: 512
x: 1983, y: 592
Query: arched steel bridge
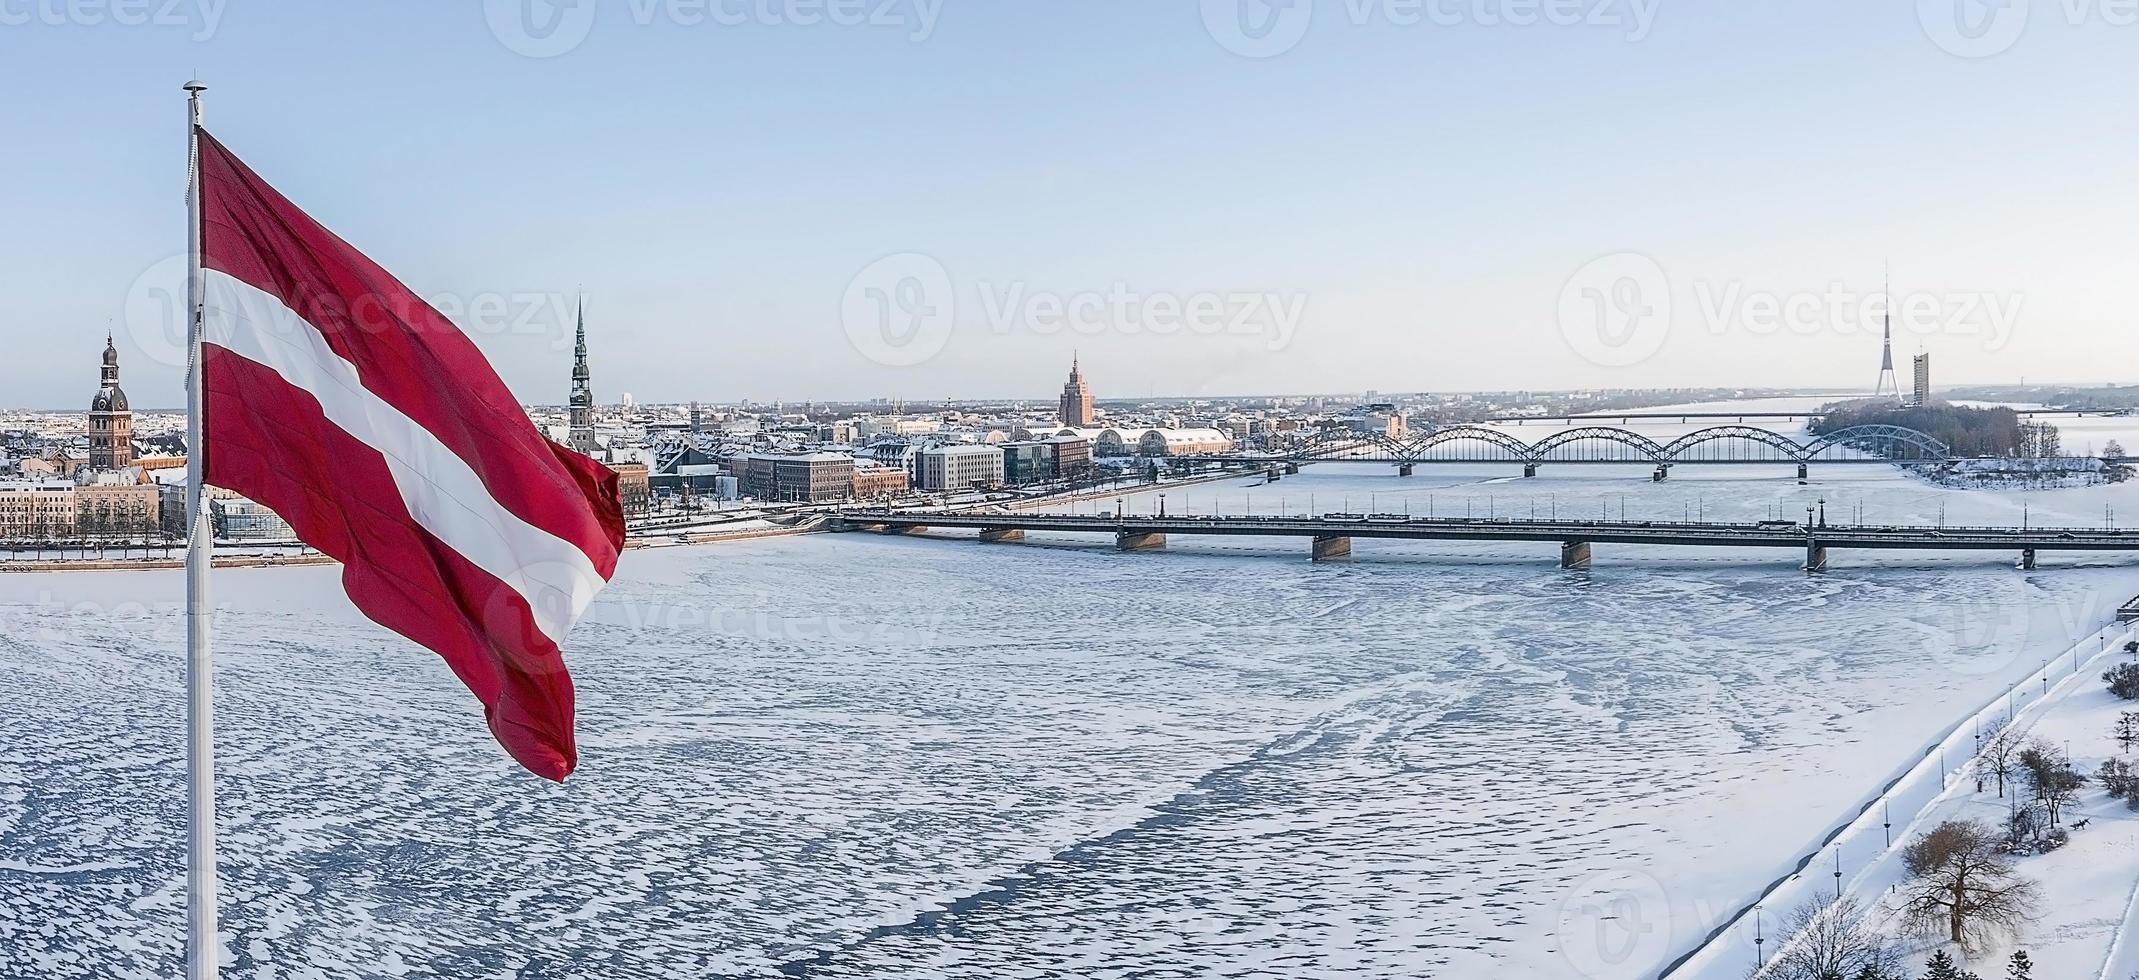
x: 1606, y: 444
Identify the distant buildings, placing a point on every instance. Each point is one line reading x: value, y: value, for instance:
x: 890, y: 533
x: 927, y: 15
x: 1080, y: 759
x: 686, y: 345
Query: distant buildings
x: 1118, y: 442
x: 810, y: 478
x: 235, y: 518
x: 117, y: 507
x: 1077, y: 399
x: 1073, y: 456
x: 31, y: 510
x: 1183, y: 442
x: 875, y: 482
x: 1382, y: 419
x: 1027, y: 463
x: 961, y: 467
x: 102, y: 496
x: 634, y: 487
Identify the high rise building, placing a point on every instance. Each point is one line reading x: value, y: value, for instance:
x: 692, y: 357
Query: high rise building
x: 1077, y: 399
x: 582, y: 438
x: 1923, y: 378
x: 111, y: 423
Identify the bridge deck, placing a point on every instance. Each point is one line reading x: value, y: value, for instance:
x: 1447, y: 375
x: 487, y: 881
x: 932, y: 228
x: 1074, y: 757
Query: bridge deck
x: 1708, y: 535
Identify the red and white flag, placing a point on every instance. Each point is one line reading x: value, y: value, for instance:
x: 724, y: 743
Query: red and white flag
x: 340, y: 399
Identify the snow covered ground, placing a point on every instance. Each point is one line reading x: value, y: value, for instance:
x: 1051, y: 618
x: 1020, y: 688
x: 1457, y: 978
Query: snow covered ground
x: 859, y: 756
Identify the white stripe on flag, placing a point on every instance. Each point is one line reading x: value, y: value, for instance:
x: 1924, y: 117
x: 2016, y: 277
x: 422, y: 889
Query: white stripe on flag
x: 443, y: 493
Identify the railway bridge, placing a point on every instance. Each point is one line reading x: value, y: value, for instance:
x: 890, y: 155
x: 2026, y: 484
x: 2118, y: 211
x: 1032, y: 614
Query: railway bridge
x: 1722, y: 444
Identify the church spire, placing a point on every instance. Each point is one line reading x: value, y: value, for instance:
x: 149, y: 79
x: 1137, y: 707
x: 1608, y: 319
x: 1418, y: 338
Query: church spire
x: 582, y: 405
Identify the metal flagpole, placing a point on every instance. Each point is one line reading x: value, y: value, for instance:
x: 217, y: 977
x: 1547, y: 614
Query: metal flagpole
x: 200, y: 681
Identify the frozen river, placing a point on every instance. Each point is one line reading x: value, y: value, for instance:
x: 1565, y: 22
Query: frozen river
x: 859, y: 756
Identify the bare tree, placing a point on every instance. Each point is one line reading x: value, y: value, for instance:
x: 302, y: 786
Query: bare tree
x: 1962, y: 884
x: 2127, y: 730
x: 1826, y: 937
x: 2055, y: 783
x: 2001, y: 752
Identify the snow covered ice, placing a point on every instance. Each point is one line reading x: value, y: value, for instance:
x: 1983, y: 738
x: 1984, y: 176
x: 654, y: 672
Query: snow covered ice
x: 862, y: 756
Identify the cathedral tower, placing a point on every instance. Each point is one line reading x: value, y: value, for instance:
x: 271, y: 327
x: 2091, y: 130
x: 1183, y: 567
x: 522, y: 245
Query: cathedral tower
x: 111, y: 423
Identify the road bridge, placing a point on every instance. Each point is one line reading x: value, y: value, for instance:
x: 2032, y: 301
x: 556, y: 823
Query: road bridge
x: 1331, y: 535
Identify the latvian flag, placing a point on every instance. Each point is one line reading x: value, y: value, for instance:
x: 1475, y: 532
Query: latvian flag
x: 365, y: 418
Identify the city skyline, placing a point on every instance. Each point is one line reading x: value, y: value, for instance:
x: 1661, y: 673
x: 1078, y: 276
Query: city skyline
x: 1470, y: 179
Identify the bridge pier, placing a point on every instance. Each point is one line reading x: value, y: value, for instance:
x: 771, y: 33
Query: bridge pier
x: 1331, y: 548
x: 1403, y: 469
x: 1273, y: 476
x: 1801, y: 471
x: 994, y: 534
x: 1140, y: 541
x: 1529, y: 470
x: 1815, y: 557
x: 1292, y: 469
x: 2027, y: 559
x: 1662, y: 471
x: 1574, y: 554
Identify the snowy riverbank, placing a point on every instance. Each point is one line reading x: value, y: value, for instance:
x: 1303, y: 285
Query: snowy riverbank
x: 2087, y: 886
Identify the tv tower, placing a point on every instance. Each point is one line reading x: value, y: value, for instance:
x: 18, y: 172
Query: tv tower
x: 1889, y: 386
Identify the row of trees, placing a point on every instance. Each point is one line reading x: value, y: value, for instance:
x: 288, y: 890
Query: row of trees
x: 1828, y: 941
x: 1967, y: 431
x: 1961, y: 883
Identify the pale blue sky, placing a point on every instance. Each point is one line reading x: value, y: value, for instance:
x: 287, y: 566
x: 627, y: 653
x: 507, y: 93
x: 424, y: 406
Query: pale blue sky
x: 1419, y: 196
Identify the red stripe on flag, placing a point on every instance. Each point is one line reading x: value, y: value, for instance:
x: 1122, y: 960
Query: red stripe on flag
x: 272, y: 443
x: 405, y: 351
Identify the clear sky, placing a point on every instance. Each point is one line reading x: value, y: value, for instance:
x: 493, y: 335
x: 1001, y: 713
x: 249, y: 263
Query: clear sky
x: 1336, y: 196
